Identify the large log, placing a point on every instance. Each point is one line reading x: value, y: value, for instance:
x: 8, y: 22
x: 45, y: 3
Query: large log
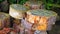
x: 17, y: 11
x: 4, y: 20
x: 41, y: 19
x: 34, y: 4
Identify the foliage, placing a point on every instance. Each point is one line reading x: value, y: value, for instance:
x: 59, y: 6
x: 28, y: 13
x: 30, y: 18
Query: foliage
x: 12, y: 1
x: 23, y: 1
x: 1, y: 1
x: 17, y: 1
x: 48, y: 3
x: 52, y: 3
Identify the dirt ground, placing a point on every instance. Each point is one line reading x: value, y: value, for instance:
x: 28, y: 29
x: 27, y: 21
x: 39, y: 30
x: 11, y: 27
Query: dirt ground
x: 55, y: 29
